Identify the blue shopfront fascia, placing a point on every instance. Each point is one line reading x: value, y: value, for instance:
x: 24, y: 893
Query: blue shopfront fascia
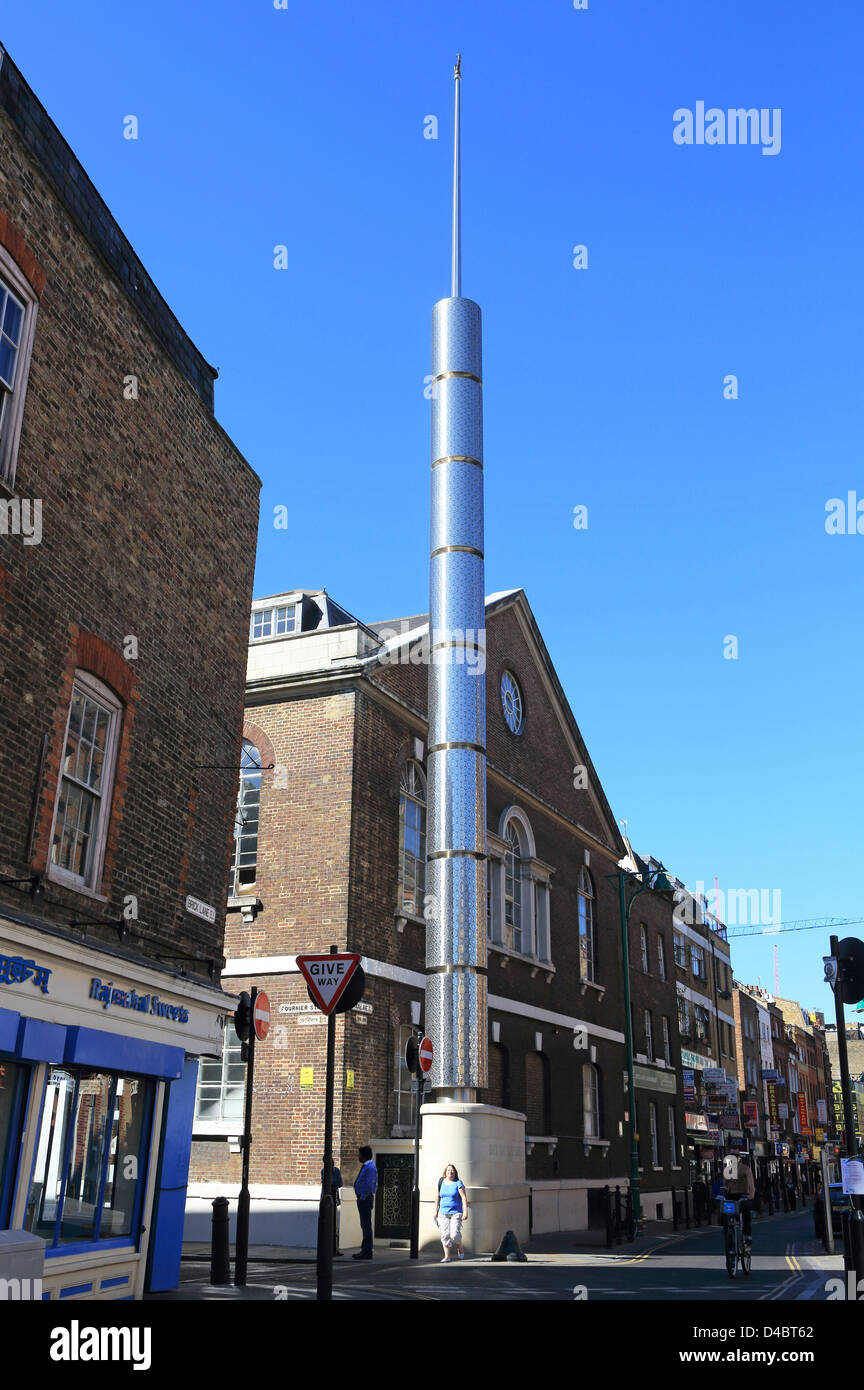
x: 34, y: 1040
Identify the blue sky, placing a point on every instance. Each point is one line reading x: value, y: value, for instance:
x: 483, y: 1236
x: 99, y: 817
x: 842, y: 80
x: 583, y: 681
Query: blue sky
x: 304, y: 127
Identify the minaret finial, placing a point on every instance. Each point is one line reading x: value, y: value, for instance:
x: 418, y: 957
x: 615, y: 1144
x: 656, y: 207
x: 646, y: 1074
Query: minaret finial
x: 456, y: 288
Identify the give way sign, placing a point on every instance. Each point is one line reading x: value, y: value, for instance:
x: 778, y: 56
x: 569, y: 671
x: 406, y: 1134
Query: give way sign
x: 327, y: 977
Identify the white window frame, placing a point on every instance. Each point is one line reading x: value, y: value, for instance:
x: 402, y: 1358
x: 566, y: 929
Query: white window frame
x: 590, y: 900
x: 591, y: 1094
x: 542, y: 923
x: 643, y: 946
x: 220, y: 1124
x: 697, y: 959
x: 13, y: 415
x: 534, y: 886
x: 655, y: 1137
x: 516, y: 937
x: 91, y: 687
x: 661, y: 958
x: 667, y: 1042
x: 494, y: 891
x: 406, y: 794
x: 648, y: 1028
x: 673, y: 1135
x: 270, y: 611
x: 679, y: 950
x: 402, y: 1079
x: 684, y: 1014
x: 249, y: 771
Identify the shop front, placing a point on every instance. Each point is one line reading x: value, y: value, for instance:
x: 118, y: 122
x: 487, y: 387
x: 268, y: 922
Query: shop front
x: 98, y: 1063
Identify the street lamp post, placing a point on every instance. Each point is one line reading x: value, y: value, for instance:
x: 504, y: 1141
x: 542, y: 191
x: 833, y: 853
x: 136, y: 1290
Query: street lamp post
x: 657, y: 882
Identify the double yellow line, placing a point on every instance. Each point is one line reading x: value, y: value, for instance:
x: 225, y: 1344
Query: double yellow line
x: 792, y: 1262
x: 639, y: 1259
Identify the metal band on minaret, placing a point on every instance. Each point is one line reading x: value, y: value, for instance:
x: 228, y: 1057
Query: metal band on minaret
x: 456, y: 827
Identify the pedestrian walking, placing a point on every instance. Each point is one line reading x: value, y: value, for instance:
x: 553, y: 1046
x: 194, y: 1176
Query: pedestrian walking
x: 451, y: 1209
x: 365, y: 1187
x: 335, y: 1184
x: 700, y: 1200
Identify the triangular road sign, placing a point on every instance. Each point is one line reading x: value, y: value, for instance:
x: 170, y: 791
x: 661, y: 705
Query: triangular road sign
x: 327, y: 977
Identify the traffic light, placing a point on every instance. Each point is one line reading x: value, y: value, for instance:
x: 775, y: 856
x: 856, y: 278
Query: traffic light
x: 850, y: 969
x: 243, y: 1017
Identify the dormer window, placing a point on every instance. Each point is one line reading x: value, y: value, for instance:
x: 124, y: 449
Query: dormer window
x: 273, y: 622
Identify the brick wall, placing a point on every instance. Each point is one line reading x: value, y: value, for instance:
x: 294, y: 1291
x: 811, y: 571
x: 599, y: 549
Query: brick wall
x: 149, y: 522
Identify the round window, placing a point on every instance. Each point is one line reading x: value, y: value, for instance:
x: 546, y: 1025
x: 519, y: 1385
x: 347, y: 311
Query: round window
x: 511, y: 703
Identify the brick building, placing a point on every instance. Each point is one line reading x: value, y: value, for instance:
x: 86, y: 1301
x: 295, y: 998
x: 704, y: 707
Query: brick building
x: 660, y: 1114
x: 332, y: 850
x: 808, y: 1083
x: 855, y: 1054
x: 762, y: 1076
x: 706, y: 1030
x: 126, y: 559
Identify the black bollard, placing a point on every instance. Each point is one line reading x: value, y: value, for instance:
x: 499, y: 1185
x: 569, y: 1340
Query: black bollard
x: 220, y: 1259
x: 510, y: 1249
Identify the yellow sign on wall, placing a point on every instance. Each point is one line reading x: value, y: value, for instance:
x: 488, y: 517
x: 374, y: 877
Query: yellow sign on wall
x: 349, y: 1080
x: 307, y: 1077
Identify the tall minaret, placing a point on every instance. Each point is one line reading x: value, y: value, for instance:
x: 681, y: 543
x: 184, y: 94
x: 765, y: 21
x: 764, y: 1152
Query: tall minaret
x: 456, y: 829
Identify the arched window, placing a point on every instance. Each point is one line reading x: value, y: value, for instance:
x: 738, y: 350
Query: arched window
x: 513, y: 889
x: 244, y: 861
x: 412, y: 839
x: 590, y: 1101
x: 587, y: 928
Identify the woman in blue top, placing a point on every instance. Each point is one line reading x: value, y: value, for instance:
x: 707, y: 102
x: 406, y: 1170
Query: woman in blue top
x: 451, y: 1210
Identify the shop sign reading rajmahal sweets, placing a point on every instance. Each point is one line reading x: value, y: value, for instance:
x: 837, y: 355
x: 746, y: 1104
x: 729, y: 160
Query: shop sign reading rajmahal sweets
x: 15, y: 970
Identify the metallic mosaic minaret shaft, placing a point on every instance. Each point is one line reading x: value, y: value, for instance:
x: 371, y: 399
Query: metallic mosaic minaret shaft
x: 456, y: 830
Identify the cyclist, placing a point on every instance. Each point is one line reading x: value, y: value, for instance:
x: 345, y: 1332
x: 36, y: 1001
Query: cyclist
x: 739, y: 1184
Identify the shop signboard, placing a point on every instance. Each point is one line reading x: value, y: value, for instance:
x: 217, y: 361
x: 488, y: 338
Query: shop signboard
x: 773, y: 1112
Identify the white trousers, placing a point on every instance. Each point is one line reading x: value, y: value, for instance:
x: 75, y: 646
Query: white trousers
x: 450, y: 1228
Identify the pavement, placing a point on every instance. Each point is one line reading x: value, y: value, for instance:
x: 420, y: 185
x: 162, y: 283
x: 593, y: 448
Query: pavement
x: 789, y: 1264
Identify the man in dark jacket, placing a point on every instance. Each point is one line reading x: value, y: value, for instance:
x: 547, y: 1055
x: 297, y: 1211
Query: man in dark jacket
x: 365, y: 1187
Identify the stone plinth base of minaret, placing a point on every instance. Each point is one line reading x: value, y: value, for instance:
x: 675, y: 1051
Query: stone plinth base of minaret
x: 487, y: 1147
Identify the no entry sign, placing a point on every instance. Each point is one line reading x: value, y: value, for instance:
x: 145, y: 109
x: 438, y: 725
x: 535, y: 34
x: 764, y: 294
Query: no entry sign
x: 327, y: 977
x: 427, y: 1052
x: 261, y: 1021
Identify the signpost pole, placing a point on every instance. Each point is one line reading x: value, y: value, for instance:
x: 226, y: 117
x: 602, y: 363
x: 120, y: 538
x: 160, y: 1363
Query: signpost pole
x: 415, y: 1191
x: 326, y: 1214
x: 853, y: 1221
x: 242, y: 1241
x: 826, y: 1199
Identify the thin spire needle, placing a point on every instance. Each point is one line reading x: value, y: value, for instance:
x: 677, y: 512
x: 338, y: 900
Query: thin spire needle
x: 457, y: 192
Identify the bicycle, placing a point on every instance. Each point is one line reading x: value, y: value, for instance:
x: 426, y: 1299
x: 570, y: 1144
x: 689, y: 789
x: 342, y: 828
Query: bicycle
x: 737, y: 1245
